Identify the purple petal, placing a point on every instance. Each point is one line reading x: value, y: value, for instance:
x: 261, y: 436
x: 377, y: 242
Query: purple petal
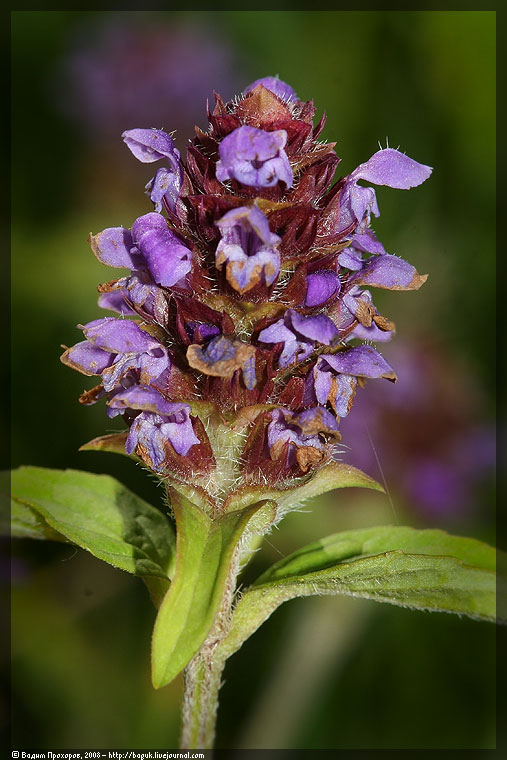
x: 350, y: 259
x: 321, y: 286
x: 119, y: 336
x: 247, y: 245
x: 284, y: 429
x: 367, y: 242
x: 318, y: 327
x: 146, y: 400
x: 115, y: 247
x: 248, y: 228
x: 361, y: 361
x: 115, y: 301
x: 87, y: 358
x: 167, y: 258
x: 275, y: 85
x: 322, y: 383
x: 394, y: 169
x: 391, y: 272
x: 149, y: 145
x: 372, y: 333
x: 276, y: 333
x: 363, y: 200
x: 181, y: 435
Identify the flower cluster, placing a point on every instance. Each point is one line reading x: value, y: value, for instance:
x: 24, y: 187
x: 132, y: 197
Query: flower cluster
x: 246, y: 305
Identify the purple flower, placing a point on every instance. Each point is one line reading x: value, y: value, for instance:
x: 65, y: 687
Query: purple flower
x: 303, y: 431
x: 159, y: 422
x: 150, y: 246
x: 334, y: 376
x: 254, y: 157
x: 275, y: 85
x: 113, y: 348
x: 386, y: 167
x: 222, y: 357
x: 149, y: 145
x: 137, y: 289
x: 247, y: 248
x: 299, y: 335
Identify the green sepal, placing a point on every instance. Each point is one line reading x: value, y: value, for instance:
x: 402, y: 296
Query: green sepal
x: 420, y: 569
x: 97, y: 513
x: 205, y: 550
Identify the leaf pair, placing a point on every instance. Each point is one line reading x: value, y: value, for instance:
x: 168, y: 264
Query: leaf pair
x: 421, y: 569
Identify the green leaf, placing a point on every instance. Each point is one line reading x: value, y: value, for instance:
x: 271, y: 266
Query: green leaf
x: 97, y: 513
x: 331, y: 476
x: 27, y: 523
x: 205, y: 550
x: 420, y: 569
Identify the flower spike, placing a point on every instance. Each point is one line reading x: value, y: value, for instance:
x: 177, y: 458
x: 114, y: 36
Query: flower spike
x: 239, y: 337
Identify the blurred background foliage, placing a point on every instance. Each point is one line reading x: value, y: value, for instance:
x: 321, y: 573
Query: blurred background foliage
x: 322, y: 672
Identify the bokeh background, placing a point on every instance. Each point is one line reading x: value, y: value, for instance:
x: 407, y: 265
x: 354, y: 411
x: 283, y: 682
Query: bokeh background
x: 321, y: 673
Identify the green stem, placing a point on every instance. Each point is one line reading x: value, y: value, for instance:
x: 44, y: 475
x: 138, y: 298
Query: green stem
x: 203, y: 678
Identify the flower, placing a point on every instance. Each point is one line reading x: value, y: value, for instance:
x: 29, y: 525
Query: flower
x: 248, y: 248
x: 114, y: 348
x: 239, y: 348
x: 254, y: 157
x: 386, y: 167
x: 299, y: 334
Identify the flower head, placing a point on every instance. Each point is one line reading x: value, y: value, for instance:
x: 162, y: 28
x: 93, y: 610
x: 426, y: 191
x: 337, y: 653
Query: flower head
x: 247, y: 299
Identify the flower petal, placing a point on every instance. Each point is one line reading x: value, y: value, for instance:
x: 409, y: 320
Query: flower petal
x: 119, y: 336
x: 361, y: 361
x: 115, y: 247
x: 87, y: 358
x: 168, y: 259
x: 390, y: 272
x: 394, y: 169
x: 149, y: 145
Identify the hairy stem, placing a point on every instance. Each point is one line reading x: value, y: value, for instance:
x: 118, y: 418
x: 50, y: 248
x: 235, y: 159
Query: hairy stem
x: 202, y: 684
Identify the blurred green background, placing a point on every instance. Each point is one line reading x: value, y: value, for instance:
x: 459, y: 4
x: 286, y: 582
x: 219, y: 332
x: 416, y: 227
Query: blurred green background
x: 322, y: 673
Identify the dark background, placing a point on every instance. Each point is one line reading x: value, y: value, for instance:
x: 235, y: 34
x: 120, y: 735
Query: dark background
x: 334, y: 673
